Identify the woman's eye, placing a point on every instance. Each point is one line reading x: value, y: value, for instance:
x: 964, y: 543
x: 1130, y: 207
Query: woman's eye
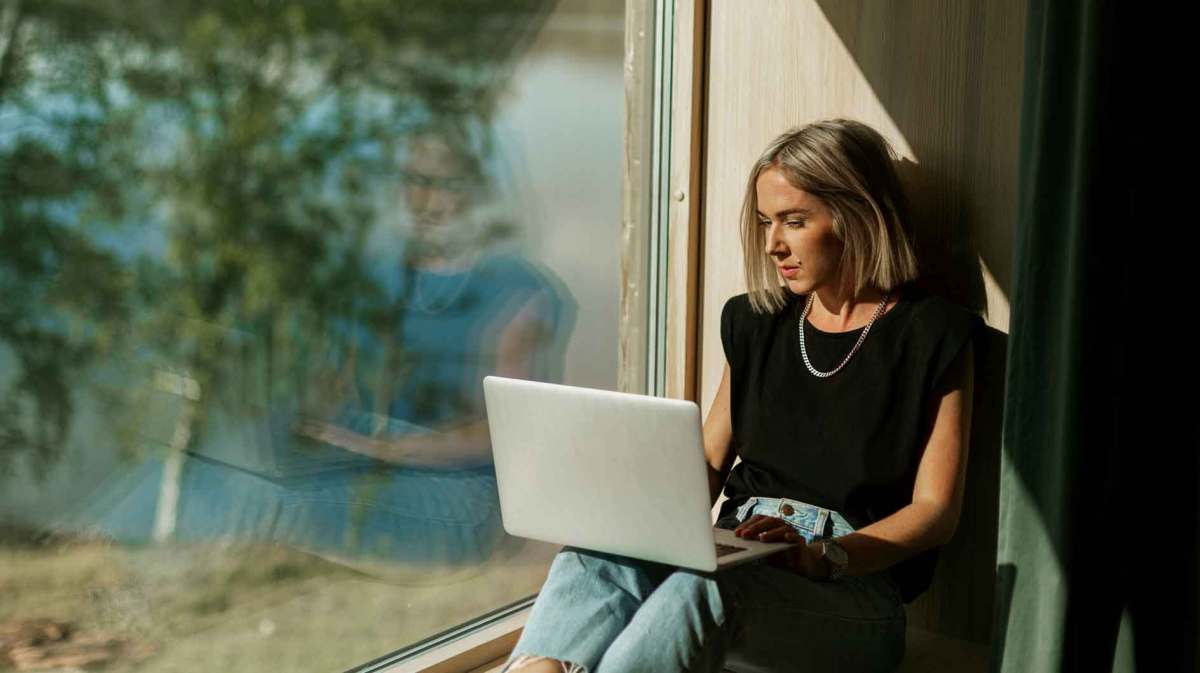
x: 795, y: 223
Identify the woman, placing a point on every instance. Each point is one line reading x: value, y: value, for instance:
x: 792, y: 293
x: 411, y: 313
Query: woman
x: 413, y: 492
x: 847, y: 395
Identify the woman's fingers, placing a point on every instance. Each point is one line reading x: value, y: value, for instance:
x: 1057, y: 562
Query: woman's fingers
x: 766, y: 529
x: 755, y: 525
x: 783, y: 533
x: 746, y: 525
x: 752, y: 526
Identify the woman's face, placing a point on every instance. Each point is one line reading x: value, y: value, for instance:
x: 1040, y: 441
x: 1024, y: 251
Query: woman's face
x: 798, y: 229
x: 436, y: 187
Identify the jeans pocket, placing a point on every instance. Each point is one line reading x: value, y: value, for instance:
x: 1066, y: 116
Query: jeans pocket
x: 746, y: 508
x: 805, y: 518
x: 840, y: 526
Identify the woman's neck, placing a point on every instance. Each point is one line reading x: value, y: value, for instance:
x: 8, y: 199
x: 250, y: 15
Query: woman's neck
x: 445, y: 265
x: 838, y: 311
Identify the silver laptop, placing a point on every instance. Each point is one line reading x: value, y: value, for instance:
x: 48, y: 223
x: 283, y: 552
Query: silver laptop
x: 607, y: 471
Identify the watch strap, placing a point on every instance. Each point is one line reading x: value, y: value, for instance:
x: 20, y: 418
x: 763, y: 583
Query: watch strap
x: 836, y: 570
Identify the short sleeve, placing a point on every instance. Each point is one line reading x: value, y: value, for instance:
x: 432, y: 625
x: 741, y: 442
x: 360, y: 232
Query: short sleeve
x: 727, y: 329
x: 525, y: 292
x: 959, y: 328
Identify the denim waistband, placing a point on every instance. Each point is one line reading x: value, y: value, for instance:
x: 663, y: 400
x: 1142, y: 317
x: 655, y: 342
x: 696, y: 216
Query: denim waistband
x: 812, y: 521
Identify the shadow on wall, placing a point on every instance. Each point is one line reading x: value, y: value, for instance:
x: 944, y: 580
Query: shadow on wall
x: 957, y: 104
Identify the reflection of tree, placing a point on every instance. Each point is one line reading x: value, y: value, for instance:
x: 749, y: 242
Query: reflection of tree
x: 194, y: 181
x: 61, y: 293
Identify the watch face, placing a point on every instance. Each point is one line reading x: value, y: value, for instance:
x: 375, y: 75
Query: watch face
x: 835, y: 553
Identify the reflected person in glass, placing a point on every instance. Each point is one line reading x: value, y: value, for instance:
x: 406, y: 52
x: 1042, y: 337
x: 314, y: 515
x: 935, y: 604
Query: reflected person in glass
x: 456, y: 302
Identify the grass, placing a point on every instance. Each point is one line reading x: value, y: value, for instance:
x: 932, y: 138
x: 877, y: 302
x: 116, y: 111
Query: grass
x: 235, y: 608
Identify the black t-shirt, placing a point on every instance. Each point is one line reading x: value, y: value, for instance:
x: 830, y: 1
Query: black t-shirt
x: 850, y: 442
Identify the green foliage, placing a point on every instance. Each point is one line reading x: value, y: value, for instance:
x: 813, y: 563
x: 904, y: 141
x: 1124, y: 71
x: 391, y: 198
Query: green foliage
x: 189, y: 185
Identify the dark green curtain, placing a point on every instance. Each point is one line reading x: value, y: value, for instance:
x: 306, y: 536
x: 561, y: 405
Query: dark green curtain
x: 1097, y: 564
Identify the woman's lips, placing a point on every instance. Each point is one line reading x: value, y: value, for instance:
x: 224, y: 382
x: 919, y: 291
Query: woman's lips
x: 789, y: 271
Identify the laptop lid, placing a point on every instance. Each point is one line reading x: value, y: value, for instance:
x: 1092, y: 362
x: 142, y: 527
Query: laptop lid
x: 601, y: 470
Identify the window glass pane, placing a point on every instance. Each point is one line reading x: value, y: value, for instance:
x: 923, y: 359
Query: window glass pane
x: 255, y: 258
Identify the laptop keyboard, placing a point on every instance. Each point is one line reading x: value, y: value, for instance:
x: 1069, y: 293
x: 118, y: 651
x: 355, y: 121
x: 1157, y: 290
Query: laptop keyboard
x: 727, y: 549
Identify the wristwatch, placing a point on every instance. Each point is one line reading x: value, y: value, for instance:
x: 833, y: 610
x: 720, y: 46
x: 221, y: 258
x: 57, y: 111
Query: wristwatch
x: 833, y: 554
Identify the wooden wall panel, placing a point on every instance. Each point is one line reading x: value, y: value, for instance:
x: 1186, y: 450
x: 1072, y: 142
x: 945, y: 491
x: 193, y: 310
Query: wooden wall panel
x: 686, y: 191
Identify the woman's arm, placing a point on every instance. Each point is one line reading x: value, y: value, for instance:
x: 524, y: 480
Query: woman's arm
x: 718, y: 439
x: 450, y: 447
x: 456, y: 445
x: 932, y: 517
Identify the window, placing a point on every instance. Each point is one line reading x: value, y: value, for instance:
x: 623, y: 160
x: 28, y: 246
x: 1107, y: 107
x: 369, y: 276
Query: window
x: 255, y: 258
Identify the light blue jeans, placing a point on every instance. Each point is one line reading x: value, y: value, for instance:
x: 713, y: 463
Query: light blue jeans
x: 613, y: 614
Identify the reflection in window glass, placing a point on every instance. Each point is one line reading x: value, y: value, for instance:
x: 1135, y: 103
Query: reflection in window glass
x: 255, y: 259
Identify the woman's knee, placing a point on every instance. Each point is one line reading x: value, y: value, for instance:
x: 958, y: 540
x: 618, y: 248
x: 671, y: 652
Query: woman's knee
x: 613, y: 567
x: 694, y: 594
x: 578, y: 575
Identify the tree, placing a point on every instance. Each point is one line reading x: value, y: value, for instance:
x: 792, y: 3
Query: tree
x: 189, y: 185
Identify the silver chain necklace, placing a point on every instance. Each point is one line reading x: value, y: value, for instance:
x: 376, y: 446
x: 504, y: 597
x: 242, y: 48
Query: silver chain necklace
x: 861, y: 337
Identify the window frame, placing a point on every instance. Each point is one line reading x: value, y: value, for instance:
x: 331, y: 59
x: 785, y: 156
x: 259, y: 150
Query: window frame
x: 661, y: 235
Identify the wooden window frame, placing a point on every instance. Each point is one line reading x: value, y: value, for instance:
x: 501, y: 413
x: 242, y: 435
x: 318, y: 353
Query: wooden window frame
x: 661, y: 243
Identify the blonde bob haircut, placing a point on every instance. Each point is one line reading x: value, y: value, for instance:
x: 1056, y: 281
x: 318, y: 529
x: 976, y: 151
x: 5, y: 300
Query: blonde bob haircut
x: 849, y: 167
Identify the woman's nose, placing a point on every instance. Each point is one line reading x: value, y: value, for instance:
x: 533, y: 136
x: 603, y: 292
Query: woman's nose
x: 433, y: 201
x: 773, y: 242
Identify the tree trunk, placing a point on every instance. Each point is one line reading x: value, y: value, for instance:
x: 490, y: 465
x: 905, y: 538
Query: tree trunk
x: 166, y: 512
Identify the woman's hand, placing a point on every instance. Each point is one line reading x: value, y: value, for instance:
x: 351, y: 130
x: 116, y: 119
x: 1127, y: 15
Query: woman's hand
x: 800, y: 558
x: 451, y: 448
x: 339, y: 437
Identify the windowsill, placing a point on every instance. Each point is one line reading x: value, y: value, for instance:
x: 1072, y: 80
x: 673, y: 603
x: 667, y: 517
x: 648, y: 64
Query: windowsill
x: 481, y: 651
x: 488, y: 650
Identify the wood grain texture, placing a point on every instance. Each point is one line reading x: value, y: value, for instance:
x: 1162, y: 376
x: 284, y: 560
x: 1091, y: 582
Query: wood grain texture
x: 635, y: 202
x: 686, y: 212
x: 941, y: 80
